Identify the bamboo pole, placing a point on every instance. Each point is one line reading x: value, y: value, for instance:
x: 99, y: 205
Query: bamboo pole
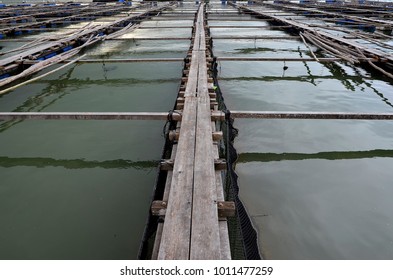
x: 375, y: 66
x: 305, y: 43
x: 41, y: 76
x: 336, y: 45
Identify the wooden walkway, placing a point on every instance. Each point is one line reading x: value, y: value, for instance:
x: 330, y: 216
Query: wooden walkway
x: 192, y: 229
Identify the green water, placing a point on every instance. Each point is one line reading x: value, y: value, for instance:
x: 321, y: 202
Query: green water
x: 315, y: 189
x: 81, y: 189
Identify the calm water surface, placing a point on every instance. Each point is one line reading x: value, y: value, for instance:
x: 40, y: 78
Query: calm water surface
x: 81, y: 189
x: 314, y: 189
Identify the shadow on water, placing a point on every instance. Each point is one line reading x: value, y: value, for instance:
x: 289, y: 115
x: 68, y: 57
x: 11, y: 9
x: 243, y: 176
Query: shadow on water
x: 310, y: 78
x: 310, y: 75
x: 122, y: 48
x: 368, y: 84
x: 40, y: 162
x: 59, y: 87
x: 113, y: 82
x: 259, y: 49
x: 340, y: 74
x: 334, y: 155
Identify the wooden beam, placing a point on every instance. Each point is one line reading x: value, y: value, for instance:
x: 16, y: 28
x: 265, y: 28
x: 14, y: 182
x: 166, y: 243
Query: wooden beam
x: 226, y: 209
x: 205, y: 238
x: 310, y: 115
x: 135, y: 60
x: 287, y: 59
x: 87, y: 116
x: 158, y: 208
x: 175, y: 241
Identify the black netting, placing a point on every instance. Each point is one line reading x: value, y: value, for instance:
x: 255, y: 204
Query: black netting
x: 147, y: 243
x: 243, y: 237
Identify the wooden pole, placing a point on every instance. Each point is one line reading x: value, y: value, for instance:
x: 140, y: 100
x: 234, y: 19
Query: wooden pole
x: 216, y: 115
x: 41, y: 76
x: 310, y: 115
x: 309, y: 48
x: 89, y: 116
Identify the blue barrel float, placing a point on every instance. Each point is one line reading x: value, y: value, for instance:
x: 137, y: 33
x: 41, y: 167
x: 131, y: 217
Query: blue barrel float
x: 4, y: 76
x: 364, y: 27
x: 67, y: 48
x: 50, y: 55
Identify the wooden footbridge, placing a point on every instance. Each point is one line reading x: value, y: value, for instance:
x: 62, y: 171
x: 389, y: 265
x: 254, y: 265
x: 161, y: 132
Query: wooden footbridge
x: 192, y: 209
x: 195, y: 191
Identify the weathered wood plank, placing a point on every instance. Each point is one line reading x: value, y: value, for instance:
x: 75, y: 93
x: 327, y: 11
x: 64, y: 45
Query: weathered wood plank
x: 160, y: 226
x: 87, y: 116
x: 205, y: 238
x: 192, y: 76
x: 225, y: 247
x: 311, y: 115
x: 175, y: 241
x: 194, y: 187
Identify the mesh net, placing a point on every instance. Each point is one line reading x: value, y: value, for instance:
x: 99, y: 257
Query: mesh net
x: 242, y: 235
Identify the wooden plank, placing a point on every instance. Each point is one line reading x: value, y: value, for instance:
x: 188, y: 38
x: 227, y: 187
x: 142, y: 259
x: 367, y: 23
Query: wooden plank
x: 87, y: 116
x: 205, y: 238
x: 311, y: 115
x: 167, y: 189
x: 175, y: 242
x: 192, y: 76
x: 136, y: 60
x: 225, y: 249
x: 287, y: 59
x: 192, y: 203
x: 216, y: 115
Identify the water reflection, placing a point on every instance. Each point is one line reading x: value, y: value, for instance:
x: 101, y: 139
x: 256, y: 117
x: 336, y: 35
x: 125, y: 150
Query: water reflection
x: 107, y: 81
x: 340, y: 74
x: 41, y: 162
x: 259, y: 49
x: 312, y: 77
x: 309, y: 79
x: 31, y: 104
x: 333, y: 155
